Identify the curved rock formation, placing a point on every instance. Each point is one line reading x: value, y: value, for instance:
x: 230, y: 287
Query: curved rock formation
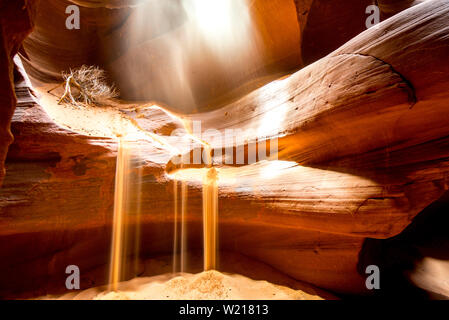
x: 389, y: 8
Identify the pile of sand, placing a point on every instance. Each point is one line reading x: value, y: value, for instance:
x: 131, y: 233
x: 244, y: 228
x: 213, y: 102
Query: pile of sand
x: 210, y: 285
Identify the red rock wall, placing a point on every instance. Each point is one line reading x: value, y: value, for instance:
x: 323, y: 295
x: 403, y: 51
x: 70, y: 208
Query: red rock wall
x: 16, y: 22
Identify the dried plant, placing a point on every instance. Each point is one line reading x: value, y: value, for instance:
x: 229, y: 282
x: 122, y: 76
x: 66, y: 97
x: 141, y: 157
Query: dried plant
x: 87, y: 86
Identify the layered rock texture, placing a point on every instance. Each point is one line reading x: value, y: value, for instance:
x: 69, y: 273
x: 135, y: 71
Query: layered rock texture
x: 362, y: 138
x: 12, y: 33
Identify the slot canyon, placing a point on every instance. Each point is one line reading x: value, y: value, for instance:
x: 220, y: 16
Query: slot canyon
x: 237, y: 149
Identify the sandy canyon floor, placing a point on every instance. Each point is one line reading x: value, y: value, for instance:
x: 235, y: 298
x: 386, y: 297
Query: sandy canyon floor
x: 209, y: 285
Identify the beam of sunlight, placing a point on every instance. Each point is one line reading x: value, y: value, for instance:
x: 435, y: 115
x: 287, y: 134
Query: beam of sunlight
x: 205, y: 49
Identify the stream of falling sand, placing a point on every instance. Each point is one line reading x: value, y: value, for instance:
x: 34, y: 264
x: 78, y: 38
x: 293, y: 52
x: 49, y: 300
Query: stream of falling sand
x: 210, y: 219
x: 127, y: 200
x: 117, y: 224
x: 180, y: 236
x: 126, y: 219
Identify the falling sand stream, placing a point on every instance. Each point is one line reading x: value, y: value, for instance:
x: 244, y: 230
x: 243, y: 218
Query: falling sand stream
x: 125, y: 228
x: 127, y: 210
